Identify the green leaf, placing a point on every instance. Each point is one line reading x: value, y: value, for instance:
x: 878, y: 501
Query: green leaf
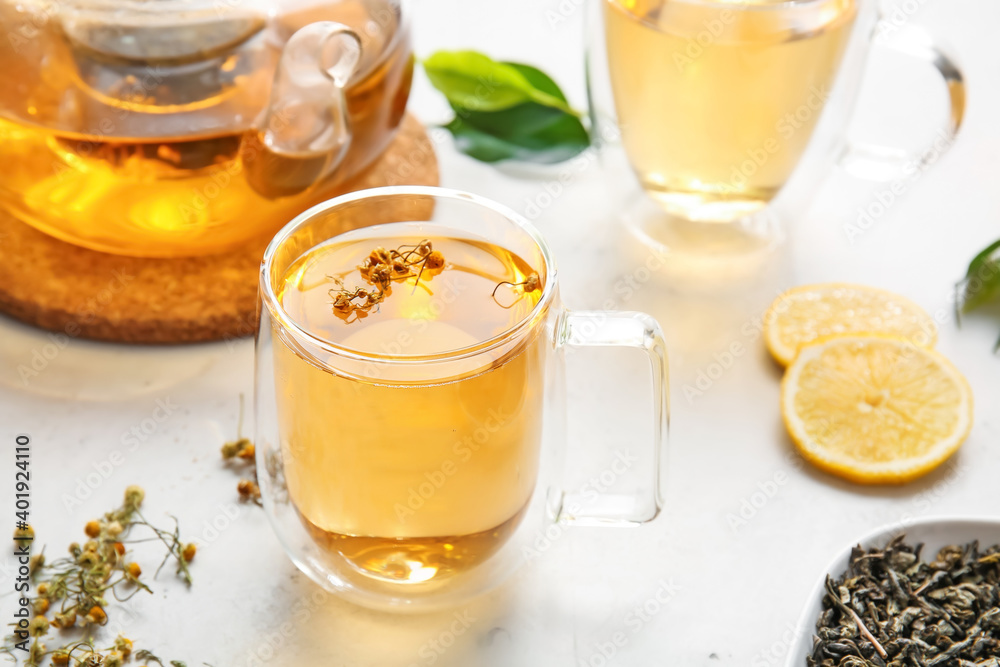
x: 539, y: 79
x: 506, y: 110
x: 982, y: 258
x: 476, y: 82
x: 528, y: 132
x: 982, y: 281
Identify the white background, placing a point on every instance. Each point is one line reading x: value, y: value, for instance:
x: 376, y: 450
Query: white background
x: 739, y: 586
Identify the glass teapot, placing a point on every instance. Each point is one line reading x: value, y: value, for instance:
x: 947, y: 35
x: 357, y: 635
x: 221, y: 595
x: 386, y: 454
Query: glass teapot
x: 186, y: 127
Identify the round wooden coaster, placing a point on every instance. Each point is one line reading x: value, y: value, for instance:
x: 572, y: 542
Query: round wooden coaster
x: 88, y: 294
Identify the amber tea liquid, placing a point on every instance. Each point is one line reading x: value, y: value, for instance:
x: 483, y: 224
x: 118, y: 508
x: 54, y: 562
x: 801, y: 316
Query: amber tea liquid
x: 701, y: 88
x: 407, y: 479
x: 157, y: 157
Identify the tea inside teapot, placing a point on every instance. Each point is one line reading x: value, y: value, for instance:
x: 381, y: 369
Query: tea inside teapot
x: 166, y: 128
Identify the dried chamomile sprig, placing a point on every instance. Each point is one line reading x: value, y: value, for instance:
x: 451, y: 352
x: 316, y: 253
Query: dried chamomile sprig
x: 242, y: 451
x: 530, y: 283
x: 380, y: 269
x: 77, y: 654
x: 75, y: 589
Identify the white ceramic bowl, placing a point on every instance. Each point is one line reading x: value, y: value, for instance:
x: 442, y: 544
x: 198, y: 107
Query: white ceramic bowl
x: 933, y: 532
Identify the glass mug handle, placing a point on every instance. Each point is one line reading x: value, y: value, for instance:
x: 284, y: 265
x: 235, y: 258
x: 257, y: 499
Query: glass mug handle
x: 629, y: 330
x: 885, y: 163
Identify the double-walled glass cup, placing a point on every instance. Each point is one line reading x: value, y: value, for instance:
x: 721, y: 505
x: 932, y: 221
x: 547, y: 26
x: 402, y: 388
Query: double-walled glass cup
x: 730, y: 111
x: 405, y: 479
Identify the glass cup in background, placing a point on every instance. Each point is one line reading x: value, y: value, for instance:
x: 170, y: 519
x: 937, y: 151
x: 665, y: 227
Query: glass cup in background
x: 346, y: 437
x: 730, y: 111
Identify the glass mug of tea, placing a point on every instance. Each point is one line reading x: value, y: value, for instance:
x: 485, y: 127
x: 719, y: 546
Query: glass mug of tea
x: 187, y: 127
x: 729, y: 110
x: 409, y: 395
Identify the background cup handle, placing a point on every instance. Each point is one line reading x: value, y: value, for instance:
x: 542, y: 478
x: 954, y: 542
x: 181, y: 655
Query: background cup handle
x: 885, y: 163
x: 629, y: 330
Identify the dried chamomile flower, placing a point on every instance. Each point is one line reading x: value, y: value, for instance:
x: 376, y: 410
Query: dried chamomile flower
x: 24, y: 536
x: 124, y: 646
x: 88, y: 559
x: 435, y: 260
x: 531, y: 283
x: 97, y: 616
x: 248, y: 490
x: 38, y: 626
x: 65, y: 620
x: 236, y: 448
x: 134, y: 495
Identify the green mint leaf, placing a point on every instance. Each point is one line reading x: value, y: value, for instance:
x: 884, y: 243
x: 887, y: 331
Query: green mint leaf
x: 982, y: 280
x: 528, y: 132
x: 473, y: 81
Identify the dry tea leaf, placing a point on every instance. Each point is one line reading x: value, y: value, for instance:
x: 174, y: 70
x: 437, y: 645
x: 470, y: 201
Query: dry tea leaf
x: 890, y: 609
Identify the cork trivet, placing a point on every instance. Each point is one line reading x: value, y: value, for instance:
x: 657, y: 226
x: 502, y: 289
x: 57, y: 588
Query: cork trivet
x: 88, y: 294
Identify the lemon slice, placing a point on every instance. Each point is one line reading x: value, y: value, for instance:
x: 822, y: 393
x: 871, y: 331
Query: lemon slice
x: 875, y: 410
x: 804, y: 314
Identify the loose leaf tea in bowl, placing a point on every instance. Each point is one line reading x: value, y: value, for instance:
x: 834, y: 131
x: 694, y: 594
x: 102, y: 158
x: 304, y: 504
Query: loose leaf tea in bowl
x: 891, y: 609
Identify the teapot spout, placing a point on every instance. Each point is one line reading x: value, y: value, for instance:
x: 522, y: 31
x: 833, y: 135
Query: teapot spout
x: 304, y: 132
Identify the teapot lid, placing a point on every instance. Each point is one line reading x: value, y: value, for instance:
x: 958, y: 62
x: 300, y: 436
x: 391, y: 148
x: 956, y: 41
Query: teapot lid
x: 160, y: 31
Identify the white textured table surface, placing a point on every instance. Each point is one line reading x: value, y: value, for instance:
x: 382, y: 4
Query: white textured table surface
x: 734, y: 588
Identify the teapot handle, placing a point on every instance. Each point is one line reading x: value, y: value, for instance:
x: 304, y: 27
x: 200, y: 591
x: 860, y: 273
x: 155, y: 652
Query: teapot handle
x: 304, y: 132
